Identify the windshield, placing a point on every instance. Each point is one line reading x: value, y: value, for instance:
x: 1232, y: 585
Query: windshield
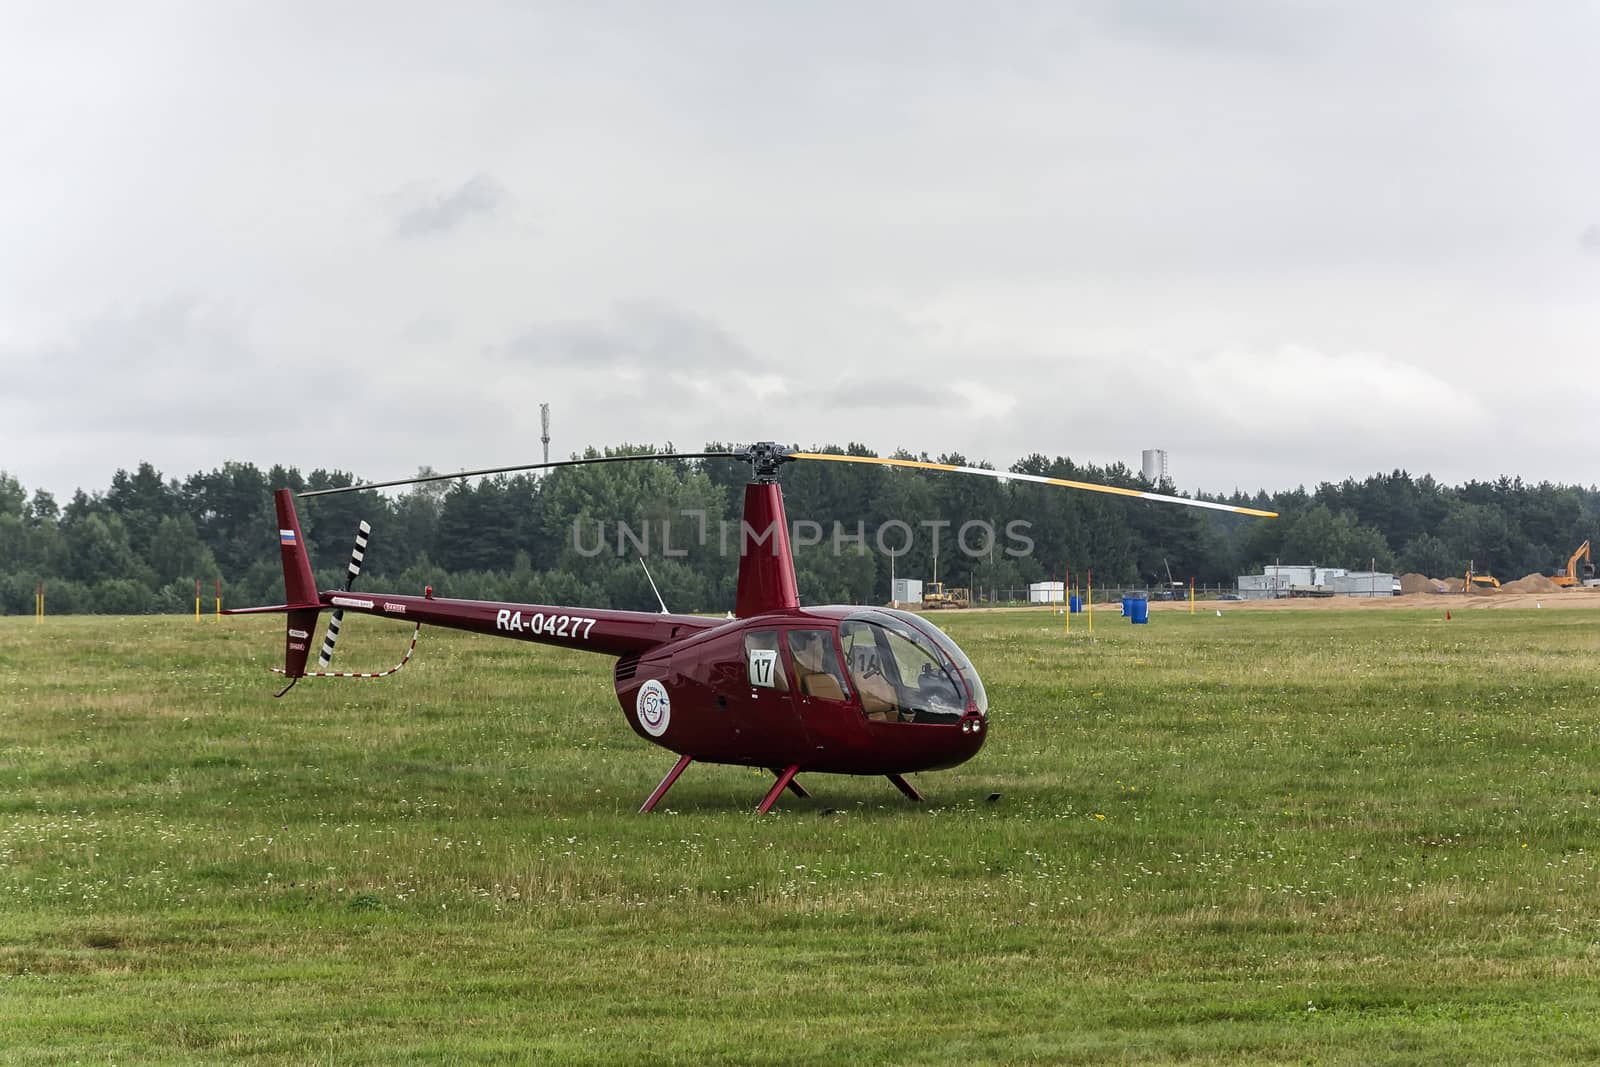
x: 969, y: 673
x: 905, y: 671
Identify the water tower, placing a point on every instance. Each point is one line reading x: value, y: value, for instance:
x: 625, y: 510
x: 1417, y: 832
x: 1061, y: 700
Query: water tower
x: 1153, y: 463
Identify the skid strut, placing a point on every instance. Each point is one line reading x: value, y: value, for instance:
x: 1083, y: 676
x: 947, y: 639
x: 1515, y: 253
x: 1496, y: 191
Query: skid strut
x: 785, y: 779
x: 905, y: 787
x: 666, y: 783
x: 794, y: 785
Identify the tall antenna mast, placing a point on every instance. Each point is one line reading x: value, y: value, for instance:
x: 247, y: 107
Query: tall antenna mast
x: 544, y: 425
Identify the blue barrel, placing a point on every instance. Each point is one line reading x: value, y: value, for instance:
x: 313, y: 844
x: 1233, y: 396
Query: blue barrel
x: 1141, y: 610
x: 1127, y: 606
x: 1075, y: 603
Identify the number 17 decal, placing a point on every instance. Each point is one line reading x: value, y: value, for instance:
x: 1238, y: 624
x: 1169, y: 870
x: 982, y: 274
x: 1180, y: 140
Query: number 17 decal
x: 763, y: 662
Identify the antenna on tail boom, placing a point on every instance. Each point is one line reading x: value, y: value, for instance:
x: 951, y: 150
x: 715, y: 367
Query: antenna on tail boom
x: 653, y: 588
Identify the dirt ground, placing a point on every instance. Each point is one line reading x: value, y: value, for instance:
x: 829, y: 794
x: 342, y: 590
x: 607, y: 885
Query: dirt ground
x: 1561, y: 599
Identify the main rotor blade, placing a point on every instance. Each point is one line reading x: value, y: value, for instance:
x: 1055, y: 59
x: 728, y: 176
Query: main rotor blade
x: 522, y: 467
x: 1010, y: 476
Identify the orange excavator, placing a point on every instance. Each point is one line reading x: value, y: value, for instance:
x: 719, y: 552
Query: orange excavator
x: 1486, y: 583
x: 1580, y: 568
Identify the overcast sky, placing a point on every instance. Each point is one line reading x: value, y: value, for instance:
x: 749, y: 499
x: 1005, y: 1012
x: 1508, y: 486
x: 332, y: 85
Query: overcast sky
x: 1285, y: 242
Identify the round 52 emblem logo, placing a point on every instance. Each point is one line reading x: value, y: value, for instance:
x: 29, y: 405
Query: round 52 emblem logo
x: 654, y: 707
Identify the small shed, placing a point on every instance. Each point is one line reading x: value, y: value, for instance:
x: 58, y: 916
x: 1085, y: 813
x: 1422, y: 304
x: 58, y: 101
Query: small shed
x: 1046, y: 592
x: 906, y: 591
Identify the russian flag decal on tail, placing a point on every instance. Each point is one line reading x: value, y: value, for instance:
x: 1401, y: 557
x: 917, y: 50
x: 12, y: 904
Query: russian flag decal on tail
x: 286, y: 537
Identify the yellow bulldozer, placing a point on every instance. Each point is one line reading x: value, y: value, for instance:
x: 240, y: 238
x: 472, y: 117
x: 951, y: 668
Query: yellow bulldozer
x: 935, y: 595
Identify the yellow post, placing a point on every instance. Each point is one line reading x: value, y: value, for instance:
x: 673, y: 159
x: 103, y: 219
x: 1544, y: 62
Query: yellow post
x: 197, y: 600
x: 1066, y: 599
x: 1191, y: 596
x: 1091, y: 603
x: 219, y: 599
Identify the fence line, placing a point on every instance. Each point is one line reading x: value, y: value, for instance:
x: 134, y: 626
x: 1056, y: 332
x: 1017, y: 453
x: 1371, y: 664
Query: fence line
x: 1002, y: 596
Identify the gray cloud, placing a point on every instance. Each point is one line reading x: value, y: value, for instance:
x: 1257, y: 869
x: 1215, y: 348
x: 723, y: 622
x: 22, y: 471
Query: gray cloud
x: 184, y: 361
x: 183, y: 383
x: 854, y: 393
x: 634, y: 334
x: 481, y: 195
x: 1284, y: 31
x: 1066, y: 214
x: 428, y: 329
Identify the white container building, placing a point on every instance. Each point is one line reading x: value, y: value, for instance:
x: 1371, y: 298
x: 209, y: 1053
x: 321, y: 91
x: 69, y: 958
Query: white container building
x: 1262, y: 586
x: 1366, y: 583
x: 1046, y: 592
x: 906, y: 591
x: 1292, y: 573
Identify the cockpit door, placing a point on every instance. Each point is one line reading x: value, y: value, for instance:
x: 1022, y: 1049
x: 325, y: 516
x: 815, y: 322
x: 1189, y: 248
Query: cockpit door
x: 770, y: 719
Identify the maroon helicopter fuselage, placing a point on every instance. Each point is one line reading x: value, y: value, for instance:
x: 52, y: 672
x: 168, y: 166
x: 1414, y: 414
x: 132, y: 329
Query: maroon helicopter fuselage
x: 772, y: 686
x: 719, y: 714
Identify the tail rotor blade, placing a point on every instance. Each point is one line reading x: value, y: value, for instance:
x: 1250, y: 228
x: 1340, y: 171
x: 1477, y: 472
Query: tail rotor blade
x: 325, y: 656
x: 357, y: 555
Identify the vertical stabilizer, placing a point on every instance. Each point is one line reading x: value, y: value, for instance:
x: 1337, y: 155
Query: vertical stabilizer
x: 299, y: 587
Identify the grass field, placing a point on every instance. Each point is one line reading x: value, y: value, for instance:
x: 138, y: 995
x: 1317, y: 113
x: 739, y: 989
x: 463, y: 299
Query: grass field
x: 1331, y: 836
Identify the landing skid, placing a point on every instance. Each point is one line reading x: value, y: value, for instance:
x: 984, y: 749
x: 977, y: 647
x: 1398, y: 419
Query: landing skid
x: 786, y: 780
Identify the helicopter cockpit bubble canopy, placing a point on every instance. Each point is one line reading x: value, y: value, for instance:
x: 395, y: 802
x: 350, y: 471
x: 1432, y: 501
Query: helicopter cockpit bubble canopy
x: 907, y: 670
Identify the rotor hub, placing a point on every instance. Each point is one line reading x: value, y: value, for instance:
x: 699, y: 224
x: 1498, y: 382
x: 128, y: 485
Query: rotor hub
x: 765, y: 458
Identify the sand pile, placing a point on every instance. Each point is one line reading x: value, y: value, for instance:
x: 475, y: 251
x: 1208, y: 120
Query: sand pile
x: 1420, y: 583
x: 1530, y: 583
x: 1453, y: 585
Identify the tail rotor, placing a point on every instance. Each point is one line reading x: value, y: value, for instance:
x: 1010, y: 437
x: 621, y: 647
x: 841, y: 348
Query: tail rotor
x: 357, y: 554
x: 304, y: 602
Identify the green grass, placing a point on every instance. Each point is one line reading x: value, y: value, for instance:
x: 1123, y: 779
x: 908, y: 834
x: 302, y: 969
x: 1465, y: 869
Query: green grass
x: 1313, y: 836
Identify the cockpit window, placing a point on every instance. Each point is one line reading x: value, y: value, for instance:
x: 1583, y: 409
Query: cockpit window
x: 906, y: 622
x: 763, y: 665
x: 898, y: 672
x: 816, y: 666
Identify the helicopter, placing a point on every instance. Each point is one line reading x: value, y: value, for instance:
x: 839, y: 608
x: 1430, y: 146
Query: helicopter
x: 793, y: 689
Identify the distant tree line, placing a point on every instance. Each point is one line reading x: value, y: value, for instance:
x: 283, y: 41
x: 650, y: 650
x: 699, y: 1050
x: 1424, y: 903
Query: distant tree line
x: 573, y: 535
